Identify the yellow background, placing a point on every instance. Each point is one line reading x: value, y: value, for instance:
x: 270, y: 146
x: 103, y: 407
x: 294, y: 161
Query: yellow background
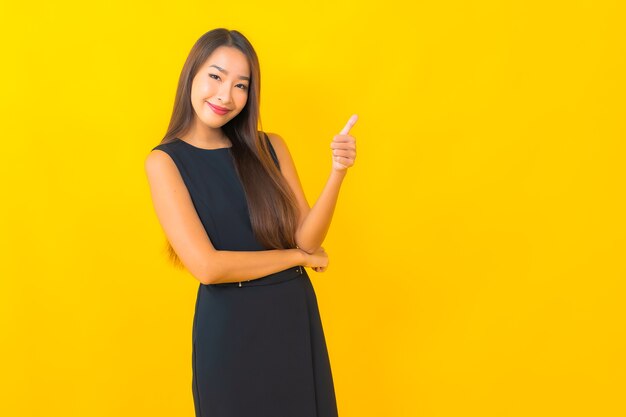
x: 477, y: 249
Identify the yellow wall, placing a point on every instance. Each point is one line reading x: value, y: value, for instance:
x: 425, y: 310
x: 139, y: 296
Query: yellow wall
x: 477, y: 250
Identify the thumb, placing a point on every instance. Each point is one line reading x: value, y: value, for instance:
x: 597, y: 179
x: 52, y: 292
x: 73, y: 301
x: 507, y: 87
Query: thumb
x: 348, y: 126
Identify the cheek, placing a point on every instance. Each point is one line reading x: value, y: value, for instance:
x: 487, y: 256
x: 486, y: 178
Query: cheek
x: 242, y: 99
x: 201, y: 90
x: 206, y: 90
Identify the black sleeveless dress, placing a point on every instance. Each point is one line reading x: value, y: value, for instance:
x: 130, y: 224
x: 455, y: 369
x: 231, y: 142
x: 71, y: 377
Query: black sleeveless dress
x: 258, y: 346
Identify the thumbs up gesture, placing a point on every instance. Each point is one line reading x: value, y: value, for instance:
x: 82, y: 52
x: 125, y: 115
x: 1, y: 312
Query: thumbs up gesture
x: 344, y: 147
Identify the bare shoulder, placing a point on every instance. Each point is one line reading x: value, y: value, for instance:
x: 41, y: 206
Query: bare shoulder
x: 282, y: 149
x: 157, y: 161
x: 277, y: 141
x: 162, y: 171
x: 288, y: 169
x: 157, y: 155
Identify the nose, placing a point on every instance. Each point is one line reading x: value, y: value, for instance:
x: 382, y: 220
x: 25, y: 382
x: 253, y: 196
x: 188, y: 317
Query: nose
x: 224, y: 95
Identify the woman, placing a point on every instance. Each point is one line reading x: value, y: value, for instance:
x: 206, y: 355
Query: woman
x: 232, y: 208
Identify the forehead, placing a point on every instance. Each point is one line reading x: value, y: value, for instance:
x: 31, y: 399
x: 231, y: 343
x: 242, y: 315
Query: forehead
x: 230, y: 59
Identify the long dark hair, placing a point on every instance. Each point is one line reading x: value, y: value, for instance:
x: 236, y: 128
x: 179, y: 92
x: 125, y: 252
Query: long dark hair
x: 271, y: 202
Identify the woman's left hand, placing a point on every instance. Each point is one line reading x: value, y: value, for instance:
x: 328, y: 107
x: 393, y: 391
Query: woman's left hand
x: 344, y: 147
x: 321, y: 268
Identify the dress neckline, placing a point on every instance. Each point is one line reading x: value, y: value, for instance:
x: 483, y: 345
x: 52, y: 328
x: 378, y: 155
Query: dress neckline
x: 203, y: 149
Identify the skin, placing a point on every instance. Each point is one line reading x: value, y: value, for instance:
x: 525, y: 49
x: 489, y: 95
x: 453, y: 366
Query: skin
x: 210, y: 85
x: 315, y: 222
x: 174, y: 207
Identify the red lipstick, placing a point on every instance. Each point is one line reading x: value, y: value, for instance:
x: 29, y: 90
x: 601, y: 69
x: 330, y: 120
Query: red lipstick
x: 217, y: 109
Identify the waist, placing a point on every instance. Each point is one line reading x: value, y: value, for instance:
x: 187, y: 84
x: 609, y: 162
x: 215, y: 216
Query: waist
x: 275, y: 278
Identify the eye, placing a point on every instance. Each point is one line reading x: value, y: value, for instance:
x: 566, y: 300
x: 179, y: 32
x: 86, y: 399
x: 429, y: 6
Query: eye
x: 244, y: 87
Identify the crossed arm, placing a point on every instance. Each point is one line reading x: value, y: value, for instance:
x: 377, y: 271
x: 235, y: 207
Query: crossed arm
x: 187, y: 236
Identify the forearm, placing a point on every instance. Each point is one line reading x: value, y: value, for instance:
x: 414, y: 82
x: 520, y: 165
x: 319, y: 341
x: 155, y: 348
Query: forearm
x: 235, y: 266
x: 314, y: 228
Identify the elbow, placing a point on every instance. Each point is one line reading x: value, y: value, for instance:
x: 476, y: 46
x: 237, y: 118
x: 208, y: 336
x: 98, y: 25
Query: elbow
x: 211, y: 276
x: 302, y: 245
x: 204, y: 279
x: 203, y: 275
x: 307, y: 248
x: 209, y: 271
x: 305, y: 242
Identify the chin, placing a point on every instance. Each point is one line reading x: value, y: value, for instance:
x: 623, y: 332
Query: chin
x: 215, y: 125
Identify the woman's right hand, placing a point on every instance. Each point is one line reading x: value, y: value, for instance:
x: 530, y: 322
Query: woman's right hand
x: 317, y: 260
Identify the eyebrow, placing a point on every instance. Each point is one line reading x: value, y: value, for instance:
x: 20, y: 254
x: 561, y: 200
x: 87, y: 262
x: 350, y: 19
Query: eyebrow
x: 241, y: 77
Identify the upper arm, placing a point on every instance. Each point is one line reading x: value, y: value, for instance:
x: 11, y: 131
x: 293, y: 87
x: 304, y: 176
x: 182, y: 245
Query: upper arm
x: 288, y: 169
x: 177, y: 214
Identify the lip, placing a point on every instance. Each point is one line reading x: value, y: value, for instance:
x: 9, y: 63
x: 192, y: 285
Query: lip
x: 217, y: 109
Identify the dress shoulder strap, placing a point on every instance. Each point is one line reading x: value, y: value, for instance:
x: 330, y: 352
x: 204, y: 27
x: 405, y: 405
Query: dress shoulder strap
x: 272, y: 151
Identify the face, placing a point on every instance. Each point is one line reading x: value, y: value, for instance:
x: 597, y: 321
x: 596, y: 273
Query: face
x: 223, y: 87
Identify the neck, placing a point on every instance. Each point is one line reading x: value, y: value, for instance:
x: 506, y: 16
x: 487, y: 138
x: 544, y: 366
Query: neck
x: 207, y: 137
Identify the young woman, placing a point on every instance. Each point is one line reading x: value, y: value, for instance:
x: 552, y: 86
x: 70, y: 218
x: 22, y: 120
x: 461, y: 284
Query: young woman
x: 232, y: 208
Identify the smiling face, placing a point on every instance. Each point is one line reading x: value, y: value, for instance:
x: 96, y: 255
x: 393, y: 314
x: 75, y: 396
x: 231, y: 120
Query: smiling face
x: 223, y: 81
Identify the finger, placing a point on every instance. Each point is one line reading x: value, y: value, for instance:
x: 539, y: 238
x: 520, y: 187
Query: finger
x: 344, y: 141
x: 348, y: 126
x: 343, y: 160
